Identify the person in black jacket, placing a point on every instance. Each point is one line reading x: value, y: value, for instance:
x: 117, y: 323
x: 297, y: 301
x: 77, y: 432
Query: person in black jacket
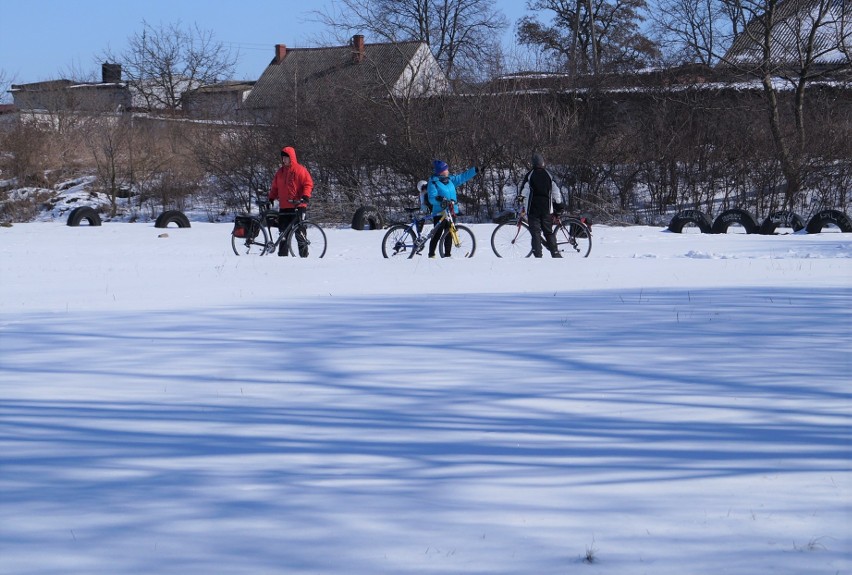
x: 542, y: 199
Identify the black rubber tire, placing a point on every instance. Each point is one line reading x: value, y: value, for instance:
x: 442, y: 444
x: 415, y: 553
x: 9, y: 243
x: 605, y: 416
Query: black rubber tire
x: 398, y: 242
x: 695, y: 217
x: 367, y: 218
x: 782, y: 219
x: 574, y: 237
x: 826, y: 217
x: 507, y: 241
x: 87, y: 213
x: 468, y: 244
x: 735, y: 216
x: 317, y: 240
x: 172, y: 217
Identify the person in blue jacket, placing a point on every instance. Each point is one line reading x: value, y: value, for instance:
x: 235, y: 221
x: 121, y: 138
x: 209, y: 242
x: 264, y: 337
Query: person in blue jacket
x: 443, y: 186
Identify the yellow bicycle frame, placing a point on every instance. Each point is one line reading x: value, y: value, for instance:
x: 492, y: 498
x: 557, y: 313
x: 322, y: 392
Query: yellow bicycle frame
x: 453, y: 234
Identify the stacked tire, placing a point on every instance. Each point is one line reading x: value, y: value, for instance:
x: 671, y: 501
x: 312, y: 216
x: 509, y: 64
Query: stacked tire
x: 829, y: 217
x: 744, y: 219
x: 172, y: 217
x: 734, y: 216
x: 783, y: 219
x: 367, y: 218
x: 688, y: 218
x: 83, y: 213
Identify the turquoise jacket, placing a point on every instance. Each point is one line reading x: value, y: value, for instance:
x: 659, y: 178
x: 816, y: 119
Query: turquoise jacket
x: 446, y: 189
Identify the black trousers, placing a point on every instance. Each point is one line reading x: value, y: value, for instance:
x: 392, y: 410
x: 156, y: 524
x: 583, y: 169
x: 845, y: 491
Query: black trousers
x: 541, y: 223
x: 439, y: 231
x: 285, y: 217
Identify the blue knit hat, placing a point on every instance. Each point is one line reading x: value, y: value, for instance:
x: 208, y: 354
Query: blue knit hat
x: 439, y: 166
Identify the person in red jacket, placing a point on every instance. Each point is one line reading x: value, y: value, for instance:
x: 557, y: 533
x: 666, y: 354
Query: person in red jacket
x: 292, y: 187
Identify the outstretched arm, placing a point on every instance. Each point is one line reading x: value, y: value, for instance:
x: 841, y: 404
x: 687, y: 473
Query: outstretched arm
x: 459, y: 179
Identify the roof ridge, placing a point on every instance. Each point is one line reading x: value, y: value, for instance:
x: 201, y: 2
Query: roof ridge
x: 349, y: 46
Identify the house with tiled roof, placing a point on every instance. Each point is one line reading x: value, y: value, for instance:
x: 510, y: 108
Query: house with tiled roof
x: 825, y: 25
x: 375, y: 71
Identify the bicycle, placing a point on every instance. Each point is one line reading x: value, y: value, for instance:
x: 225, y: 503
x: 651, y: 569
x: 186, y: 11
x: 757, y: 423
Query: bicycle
x: 512, y: 239
x: 252, y: 234
x: 404, y: 241
x: 400, y: 238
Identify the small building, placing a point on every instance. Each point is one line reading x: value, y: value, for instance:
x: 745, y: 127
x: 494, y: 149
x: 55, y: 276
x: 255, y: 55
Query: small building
x: 220, y: 101
x: 375, y: 71
x: 108, y: 95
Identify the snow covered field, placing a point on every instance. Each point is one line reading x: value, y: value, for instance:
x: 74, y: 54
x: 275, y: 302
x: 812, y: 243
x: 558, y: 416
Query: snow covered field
x: 674, y: 404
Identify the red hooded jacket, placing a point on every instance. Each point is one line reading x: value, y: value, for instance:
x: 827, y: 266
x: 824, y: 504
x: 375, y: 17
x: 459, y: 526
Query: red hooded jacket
x: 291, y: 183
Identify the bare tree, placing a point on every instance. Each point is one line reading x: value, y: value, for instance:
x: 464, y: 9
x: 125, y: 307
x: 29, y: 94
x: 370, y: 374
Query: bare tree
x: 692, y: 31
x: 163, y: 168
x: 5, y: 83
x: 108, y: 140
x: 462, y: 34
x: 785, y: 44
x: 163, y: 63
x: 25, y: 154
x: 591, y: 36
x: 241, y: 160
x: 797, y: 42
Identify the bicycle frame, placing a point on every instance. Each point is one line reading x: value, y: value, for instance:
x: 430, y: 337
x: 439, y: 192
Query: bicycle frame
x: 421, y: 241
x: 571, y: 230
x: 571, y: 234
x: 282, y: 234
x: 298, y: 235
x: 520, y: 217
x: 415, y: 226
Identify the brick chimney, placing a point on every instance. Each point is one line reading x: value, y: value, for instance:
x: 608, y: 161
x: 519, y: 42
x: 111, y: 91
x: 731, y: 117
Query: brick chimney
x: 357, y: 48
x: 110, y: 73
x: 280, y: 52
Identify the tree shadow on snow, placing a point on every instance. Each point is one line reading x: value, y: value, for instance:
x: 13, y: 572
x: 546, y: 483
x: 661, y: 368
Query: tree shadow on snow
x: 274, y: 411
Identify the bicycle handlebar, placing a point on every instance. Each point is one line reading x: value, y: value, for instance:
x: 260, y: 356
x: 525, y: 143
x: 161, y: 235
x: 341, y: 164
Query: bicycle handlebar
x: 447, y: 206
x: 267, y: 203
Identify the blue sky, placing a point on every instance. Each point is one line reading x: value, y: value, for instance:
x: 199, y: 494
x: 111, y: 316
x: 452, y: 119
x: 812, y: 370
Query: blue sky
x: 49, y: 39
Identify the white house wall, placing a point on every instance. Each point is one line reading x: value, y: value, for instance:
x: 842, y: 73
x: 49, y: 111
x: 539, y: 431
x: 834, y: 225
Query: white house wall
x: 422, y: 76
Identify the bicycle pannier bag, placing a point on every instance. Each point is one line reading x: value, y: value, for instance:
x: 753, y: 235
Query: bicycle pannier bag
x: 245, y: 227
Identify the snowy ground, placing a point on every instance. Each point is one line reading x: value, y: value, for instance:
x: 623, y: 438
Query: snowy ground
x: 674, y: 404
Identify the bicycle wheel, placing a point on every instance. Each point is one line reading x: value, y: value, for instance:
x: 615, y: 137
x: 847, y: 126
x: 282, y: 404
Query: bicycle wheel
x: 307, y: 240
x: 465, y: 248
x: 573, y: 238
x: 398, y: 242
x: 508, y: 240
x: 251, y: 246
